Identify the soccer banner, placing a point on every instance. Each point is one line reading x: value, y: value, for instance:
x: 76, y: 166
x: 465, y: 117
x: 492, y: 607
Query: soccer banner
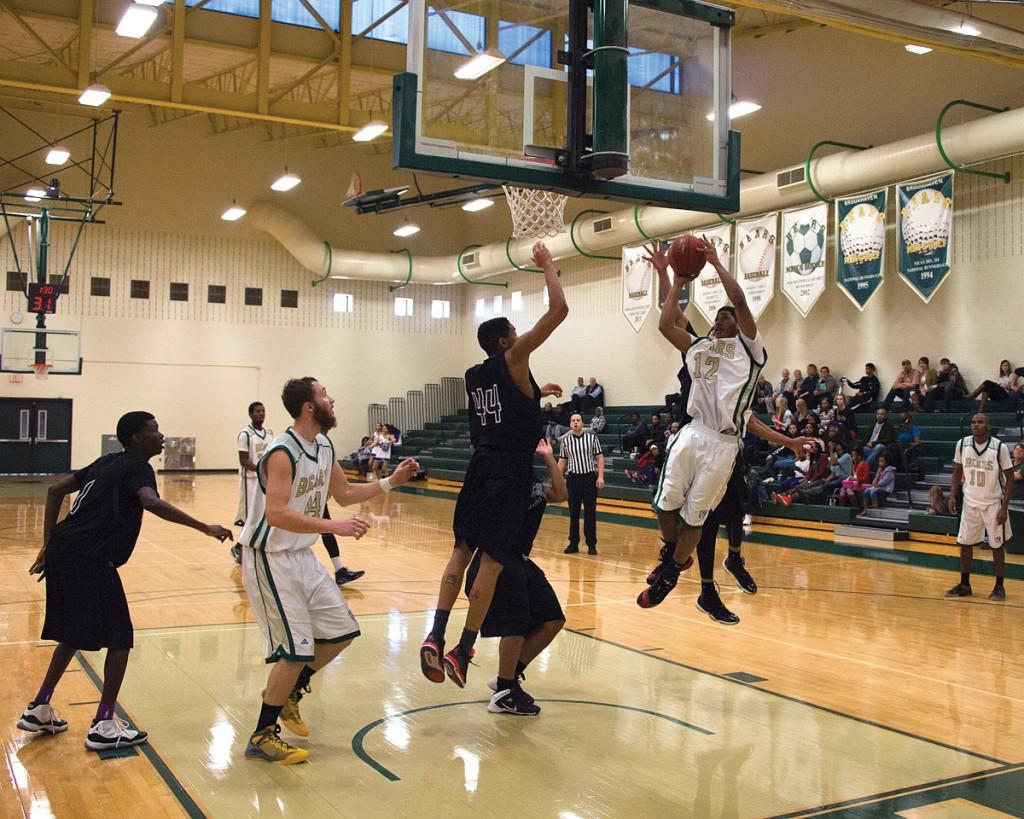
x: 755, y: 260
x: 860, y: 249
x: 804, y: 233
x: 637, y: 276
x: 925, y: 234
x: 707, y: 292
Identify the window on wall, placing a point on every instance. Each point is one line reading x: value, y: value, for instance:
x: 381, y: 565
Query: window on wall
x: 16, y: 281
x: 403, y: 306
x: 179, y: 291
x: 498, y: 301
x: 654, y: 70
x: 139, y: 289
x: 440, y: 309
x: 289, y: 298
x: 343, y: 303
x: 99, y: 286
x: 481, y: 307
x: 254, y: 296
x: 517, y: 300
x: 216, y: 294
x: 62, y: 284
x: 281, y: 11
x: 524, y: 45
x: 458, y: 32
x: 394, y: 29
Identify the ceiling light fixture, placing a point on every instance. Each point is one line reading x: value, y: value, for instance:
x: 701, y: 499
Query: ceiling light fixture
x: 34, y: 194
x: 917, y: 49
x: 370, y: 131
x: 95, y: 95
x: 480, y: 203
x: 286, y: 182
x: 137, y: 20
x: 407, y: 228
x: 966, y: 29
x: 234, y: 213
x: 475, y: 67
x: 738, y: 109
x: 57, y: 155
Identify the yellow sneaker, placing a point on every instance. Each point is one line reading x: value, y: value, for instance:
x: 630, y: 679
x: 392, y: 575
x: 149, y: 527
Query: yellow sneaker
x: 268, y: 746
x: 291, y: 718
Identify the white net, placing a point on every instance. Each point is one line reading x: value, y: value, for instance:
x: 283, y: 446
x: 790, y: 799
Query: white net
x: 535, y: 214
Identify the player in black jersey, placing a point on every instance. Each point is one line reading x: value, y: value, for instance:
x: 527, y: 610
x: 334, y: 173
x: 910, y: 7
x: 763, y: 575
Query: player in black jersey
x: 85, y: 603
x: 525, y: 612
x: 505, y: 423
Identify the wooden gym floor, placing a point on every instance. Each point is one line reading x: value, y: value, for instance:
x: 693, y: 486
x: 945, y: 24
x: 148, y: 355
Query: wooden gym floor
x: 851, y: 686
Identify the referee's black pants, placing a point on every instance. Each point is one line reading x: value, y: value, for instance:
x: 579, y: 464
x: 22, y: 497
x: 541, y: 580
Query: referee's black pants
x: 582, y: 490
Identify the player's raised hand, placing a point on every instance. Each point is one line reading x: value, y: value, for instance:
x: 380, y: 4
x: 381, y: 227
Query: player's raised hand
x: 551, y: 389
x: 710, y: 251
x: 544, y: 448
x: 349, y: 527
x: 656, y: 256
x: 541, y: 255
x: 219, y: 532
x: 404, y: 472
x: 802, y: 445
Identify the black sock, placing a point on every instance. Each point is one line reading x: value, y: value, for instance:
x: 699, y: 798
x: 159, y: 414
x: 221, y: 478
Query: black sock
x: 304, y: 675
x: 999, y: 582
x: 268, y: 716
x: 467, y: 641
x: 520, y: 669
x: 965, y: 578
x: 440, y: 625
x: 505, y: 685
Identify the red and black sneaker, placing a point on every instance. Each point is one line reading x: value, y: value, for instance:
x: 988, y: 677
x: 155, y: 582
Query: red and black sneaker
x: 666, y: 577
x: 430, y: 659
x: 456, y: 665
x: 666, y: 561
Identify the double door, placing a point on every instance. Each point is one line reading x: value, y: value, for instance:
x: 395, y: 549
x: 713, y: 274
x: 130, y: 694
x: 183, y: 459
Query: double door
x: 35, y: 436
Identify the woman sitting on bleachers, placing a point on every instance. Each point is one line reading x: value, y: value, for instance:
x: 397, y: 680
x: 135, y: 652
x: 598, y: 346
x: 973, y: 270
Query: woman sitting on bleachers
x: 999, y: 390
x: 782, y: 416
x: 882, y: 485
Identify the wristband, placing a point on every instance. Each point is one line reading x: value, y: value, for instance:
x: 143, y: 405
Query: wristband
x: 384, y: 484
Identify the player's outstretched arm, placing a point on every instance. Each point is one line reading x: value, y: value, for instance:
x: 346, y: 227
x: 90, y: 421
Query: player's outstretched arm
x: 152, y: 502
x: 346, y: 493
x: 671, y: 322
x: 556, y: 491
x: 744, y: 318
x: 54, y: 501
x: 558, y: 309
x: 799, y: 445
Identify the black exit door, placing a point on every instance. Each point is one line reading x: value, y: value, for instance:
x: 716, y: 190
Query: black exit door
x: 35, y: 436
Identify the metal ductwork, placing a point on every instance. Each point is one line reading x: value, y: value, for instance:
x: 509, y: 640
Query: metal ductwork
x: 991, y: 137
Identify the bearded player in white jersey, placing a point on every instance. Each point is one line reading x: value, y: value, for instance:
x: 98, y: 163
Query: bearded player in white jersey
x: 293, y: 597
x: 700, y: 457
x: 983, y: 466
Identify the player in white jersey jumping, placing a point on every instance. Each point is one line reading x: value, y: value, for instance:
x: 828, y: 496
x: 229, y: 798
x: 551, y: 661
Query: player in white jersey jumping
x: 293, y: 597
x: 983, y: 466
x: 252, y: 443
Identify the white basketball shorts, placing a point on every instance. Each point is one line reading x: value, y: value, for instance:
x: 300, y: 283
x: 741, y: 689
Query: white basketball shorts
x: 296, y: 602
x: 975, y: 521
x: 248, y: 486
x: 698, y: 463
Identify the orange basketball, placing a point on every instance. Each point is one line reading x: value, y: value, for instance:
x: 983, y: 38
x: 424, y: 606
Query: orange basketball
x: 686, y: 257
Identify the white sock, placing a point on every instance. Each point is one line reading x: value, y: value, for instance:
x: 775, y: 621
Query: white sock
x: 336, y: 562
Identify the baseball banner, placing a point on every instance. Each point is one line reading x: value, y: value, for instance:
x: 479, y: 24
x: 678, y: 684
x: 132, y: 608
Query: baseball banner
x: 925, y: 234
x: 706, y: 291
x: 804, y: 234
x: 860, y: 248
x: 755, y: 259
x: 684, y: 293
x: 637, y: 276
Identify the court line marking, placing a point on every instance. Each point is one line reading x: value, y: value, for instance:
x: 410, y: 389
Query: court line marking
x: 360, y: 735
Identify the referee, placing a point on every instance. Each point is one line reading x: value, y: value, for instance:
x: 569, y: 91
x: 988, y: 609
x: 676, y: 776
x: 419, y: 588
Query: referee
x: 581, y: 459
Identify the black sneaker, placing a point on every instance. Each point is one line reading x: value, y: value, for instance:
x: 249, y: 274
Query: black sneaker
x: 960, y: 590
x: 344, y: 575
x: 236, y: 554
x: 591, y: 550
x: 666, y: 560
x: 513, y: 701
x: 998, y: 593
x: 734, y: 565
x: 492, y: 683
x: 570, y: 549
x: 711, y: 604
x: 666, y: 575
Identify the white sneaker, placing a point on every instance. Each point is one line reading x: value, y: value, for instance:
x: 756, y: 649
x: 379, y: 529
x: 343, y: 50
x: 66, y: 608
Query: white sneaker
x: 42, y: 718
x: 113, y: 733
x: 747, y: 520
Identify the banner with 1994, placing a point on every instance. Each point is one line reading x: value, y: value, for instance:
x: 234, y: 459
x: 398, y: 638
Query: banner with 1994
x: 925, y: 234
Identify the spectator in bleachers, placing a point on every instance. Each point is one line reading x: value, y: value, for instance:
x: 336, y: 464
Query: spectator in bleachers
x: 672, y: 429
x: 882, y: 485
x: 908, y: 438
x: 827, y: 385
x: 845, y: 417
x: 782, y: 417
x: 906, y: 382
x: 850, y: 489
x: 867, y: 388
x: 648, y: 466
x: 814, y: 479
x: 809, y: 385
x: 937, y: 502
x: 949, y: 387
x: 785, y: 384
x: 881, y: 435
x: 576, y: 398
x: 840, y: 463
x: 825, y: 411
x: 782, y: 457
x: 1018, y: 462
x: 636, y: 434
x: 802, y: 414
x: 362, y: 458
x: 999, y: 390
x: 928, y: 378
x: 764, y: 398
x: 598, y: 422
x: 794, y: 388
x: 656, y: 429
x: 594, y: 396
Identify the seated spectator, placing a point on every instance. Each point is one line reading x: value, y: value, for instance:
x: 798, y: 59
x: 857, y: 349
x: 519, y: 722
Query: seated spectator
x: 802, y: 414
x: 881, y: 487
x: 1018, y: 462
x: 764, y: 400
x: 782, y: 416
x: 576, y: 398
x: 783, y: 457
x: 673, y: 428
x: 881, y: 435
x: 906, y: 382
x: 999, y: 390
x: 811, y: 486
x: 809, y: 384
x: 550, y: 415
x: 825, y: 411
x: 811, y: 428
x: 840, y: 464
x: 845, y: 417
x: 655, y: 429
x: 648, y: 466
x: 598, y: 422
x: 636, y: 434
x: 785, y: 384
x: 827, y: 386
x: 928, y: 378
x: 362, y: 458
x: 794, y: 388
x: 594, y: 396
x: 850, y: 489
x: 949, y: 387
x: 867, y: 388
x: 908, y: 438
x: 937, y: 503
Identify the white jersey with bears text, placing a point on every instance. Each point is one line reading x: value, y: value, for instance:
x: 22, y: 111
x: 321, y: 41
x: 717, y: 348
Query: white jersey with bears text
x: 724, y: 373
x: 312, y: 462
x: 254, y: 443
x: 983, y: 466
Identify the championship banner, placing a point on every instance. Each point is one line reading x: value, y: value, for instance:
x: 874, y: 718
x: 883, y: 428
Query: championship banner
x: 706, y: 291
x: 804, y: 234
x: 925, y: 234
x: 860, y: 249
x: 756, y: 242
x: 637, y: 276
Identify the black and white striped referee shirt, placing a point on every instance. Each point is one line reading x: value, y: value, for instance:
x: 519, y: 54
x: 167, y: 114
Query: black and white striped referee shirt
x: 581, y: 452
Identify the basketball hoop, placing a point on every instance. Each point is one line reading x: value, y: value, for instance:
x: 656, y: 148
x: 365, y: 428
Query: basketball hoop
x: 42, y: 370
x: 535, y: 214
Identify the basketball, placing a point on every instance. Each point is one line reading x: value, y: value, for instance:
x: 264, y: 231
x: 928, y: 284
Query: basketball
x: 686, y: 256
